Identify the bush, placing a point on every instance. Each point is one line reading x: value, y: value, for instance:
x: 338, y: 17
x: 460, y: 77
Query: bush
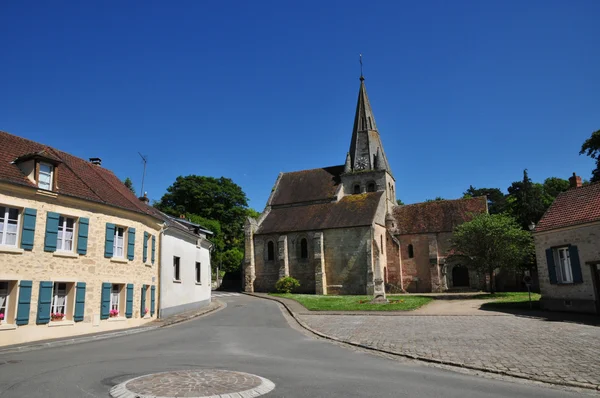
x: 287, y: 284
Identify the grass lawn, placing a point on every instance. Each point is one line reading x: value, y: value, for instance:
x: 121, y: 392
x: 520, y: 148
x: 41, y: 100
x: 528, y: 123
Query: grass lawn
x: 355, y: 303
x: 510, y: 300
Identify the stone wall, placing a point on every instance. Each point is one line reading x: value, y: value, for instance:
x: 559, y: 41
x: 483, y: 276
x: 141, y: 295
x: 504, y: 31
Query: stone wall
x: 266, y: 272
x: 393, y: 270
x: 300, y: 268
x: 578, y: 297
x: 416, y: 274
x: 92, y: 268
x: 347, y: 259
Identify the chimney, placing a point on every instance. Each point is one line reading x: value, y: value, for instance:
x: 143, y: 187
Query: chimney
x: 96, y: 161
x: 575, y: 181
x: 145, y: 198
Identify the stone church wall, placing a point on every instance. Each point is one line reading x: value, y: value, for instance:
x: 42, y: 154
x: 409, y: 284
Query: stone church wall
x: 416, y: 270
x: 266, y: 271
x: 300, y: 268
x: 393, y: 273
x: 347, y: 259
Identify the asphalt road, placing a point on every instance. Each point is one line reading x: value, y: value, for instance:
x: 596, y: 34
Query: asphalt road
x: 250, y: 335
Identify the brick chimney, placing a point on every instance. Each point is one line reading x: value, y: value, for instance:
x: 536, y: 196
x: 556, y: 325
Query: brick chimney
x: 575, y: 181
x: 144, y: 198
x: 96, y: 161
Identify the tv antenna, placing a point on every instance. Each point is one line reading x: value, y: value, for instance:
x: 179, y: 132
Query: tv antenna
x: 145, y: 160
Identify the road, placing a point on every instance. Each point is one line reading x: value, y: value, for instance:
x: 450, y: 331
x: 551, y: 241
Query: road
x: 249, y: 335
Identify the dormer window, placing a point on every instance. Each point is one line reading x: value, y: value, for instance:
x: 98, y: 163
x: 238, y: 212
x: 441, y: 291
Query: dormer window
x: 45, y: 176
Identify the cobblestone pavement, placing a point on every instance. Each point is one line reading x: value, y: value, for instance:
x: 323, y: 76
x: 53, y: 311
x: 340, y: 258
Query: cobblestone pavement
x: 556, y: 352
x: 194, y: 383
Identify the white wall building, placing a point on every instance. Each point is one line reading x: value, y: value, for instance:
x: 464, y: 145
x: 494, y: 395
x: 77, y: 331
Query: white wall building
x: 185, y: 277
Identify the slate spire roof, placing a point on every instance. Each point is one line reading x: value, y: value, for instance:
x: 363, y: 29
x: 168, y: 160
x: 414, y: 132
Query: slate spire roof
x: 366, y: 142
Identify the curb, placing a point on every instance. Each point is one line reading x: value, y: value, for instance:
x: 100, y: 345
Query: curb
x: 425, y: 359
x: 104, y: 336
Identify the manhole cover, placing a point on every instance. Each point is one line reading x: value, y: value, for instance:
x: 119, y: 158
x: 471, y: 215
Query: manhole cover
x: 200, y: 383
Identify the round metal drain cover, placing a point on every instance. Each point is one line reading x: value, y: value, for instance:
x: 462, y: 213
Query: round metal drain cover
x: 200, y: 383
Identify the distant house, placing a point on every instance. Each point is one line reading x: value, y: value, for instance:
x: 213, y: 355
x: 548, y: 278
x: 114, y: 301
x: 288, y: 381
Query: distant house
x: 185, y: 266
x: 78, y: 250
x: 567, y: 242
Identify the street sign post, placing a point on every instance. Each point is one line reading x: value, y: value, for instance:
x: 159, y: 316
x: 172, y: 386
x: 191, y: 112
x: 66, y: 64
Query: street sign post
x: 527, y: 281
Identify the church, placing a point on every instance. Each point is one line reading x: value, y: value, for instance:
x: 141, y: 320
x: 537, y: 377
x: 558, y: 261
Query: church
x: 338, y: 230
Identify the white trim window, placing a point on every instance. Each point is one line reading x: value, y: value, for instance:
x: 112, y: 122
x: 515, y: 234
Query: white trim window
x: 176, y: 274
x: 115, y: 295
x: 198, y: 272
x: 9, y: 226
x: 66, y: 233
x: 58, y: 310
x: 119, y: 242
x: 562, y: 259
x: 3, y: 300
x: 45, y: 176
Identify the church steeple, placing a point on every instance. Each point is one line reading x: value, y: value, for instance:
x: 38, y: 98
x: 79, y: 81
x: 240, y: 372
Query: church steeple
x: 366, y: 150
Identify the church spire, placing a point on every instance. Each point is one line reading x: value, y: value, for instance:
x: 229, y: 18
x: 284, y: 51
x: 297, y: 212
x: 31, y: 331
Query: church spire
x: 366, y: 145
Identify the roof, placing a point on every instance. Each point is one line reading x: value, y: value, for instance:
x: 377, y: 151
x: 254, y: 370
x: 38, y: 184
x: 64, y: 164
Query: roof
x: 573, y: 207
x: 437, y: 216
x: 76, y: 177
x: 307, y: 186
x: 350, y: 211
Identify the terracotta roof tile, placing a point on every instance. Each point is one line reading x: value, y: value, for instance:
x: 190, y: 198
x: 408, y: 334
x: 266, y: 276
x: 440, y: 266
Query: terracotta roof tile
x: 76, y: 177
x: 307, y: 185
x: 575, y: 206
x: 436, y: 216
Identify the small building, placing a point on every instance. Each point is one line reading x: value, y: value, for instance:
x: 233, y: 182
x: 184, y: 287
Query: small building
x: 185, y: 266
x: 567, y: 243
x: 78, y: 250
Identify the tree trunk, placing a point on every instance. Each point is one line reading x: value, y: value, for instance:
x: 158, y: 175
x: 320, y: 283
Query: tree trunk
x: 492, y: 282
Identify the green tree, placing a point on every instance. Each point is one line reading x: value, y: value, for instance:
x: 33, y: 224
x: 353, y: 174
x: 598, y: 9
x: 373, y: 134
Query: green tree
x: 495, y: 198
x: 129, y: 184
x: 591, y: 147
x: 437, y: 198
x: 527, y: 201
x: 216, y: 203
x: 252, y: 213
x: 399, y: 202
x: 553, y: 186
x: 490, y: 242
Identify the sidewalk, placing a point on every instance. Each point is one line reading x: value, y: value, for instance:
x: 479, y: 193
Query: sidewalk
x: 543, y: 349
x: 157, y: 323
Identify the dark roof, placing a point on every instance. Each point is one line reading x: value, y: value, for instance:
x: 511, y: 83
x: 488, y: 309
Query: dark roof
x: 307, y: 186
x: 76, y: 177
x: 436, y: 216
x: 350, y: 211
x: 576, y: 206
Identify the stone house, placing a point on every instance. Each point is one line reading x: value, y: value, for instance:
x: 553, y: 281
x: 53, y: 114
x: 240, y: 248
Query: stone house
x: 338, y: 229
x: 78, y: 251
x: 567, y: 243
x: 185, y: 266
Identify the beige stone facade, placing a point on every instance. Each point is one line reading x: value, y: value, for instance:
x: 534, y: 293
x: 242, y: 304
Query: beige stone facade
x: 93, y: 268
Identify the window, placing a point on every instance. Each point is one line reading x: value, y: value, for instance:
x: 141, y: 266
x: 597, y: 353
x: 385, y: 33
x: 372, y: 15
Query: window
x: 3, y: 301
x: 562, y: 259
x: 356, y: 189
x: 303, y: 248
x: 45, y: 177
x: 198, y: 273
x: 371, y: 187
x: 176, y: 268
x: 58, y: 311
x: 115, y: 298
x: 66, y: 229
x: 270, y: 251
x: 411, y: 252
x: 9, y: 225
x: 119, y: 242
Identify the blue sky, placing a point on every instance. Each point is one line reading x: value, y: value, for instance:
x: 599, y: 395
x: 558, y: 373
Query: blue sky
x: 465, y: 92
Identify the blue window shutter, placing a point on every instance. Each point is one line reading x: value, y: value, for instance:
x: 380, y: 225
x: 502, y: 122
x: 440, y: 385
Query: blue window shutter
x: 143, y: 301
x: 110, y: 239
x: 575, y: 264
x: 24, y: 303
x: 44, y: 302
x: 82, y: 235
x: 153, y: 248
x: 130, y: 243
x: 51, y: 231
x: 129, y: 302
x: 152, y: 299
x: 79, y: 302
x: 29, y: 217
x: 551, y: 266
x: 105, y: 300
x: 145, y: 256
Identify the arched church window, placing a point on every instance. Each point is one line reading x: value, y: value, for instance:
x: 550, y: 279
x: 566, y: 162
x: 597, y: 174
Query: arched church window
x: 411, y: 251
x: 356, y: 188
x: 371, y: 187
x: 270, y: 251
x: 303, y: 248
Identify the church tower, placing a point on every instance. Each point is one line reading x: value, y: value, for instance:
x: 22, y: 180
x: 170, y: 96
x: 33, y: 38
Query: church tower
x: 367, y: 168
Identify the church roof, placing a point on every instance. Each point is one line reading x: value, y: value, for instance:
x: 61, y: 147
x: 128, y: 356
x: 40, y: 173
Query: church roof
x: 436, y: 216
x: 350, y: 211
x: 307, y: 186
